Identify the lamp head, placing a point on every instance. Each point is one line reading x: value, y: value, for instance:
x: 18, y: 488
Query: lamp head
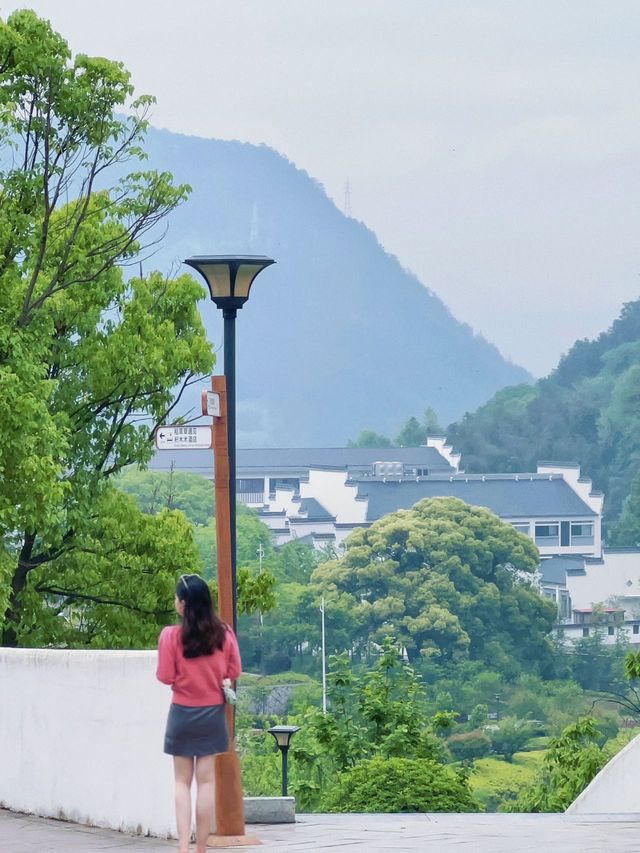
x: 229, y: 277
x: 283, y: 735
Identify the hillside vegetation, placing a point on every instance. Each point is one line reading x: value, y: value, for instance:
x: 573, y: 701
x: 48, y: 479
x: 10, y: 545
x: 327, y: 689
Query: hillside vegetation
x: 587, y: 410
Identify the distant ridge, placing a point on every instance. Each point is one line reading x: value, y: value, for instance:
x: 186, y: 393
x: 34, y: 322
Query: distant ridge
x: 337, y: 336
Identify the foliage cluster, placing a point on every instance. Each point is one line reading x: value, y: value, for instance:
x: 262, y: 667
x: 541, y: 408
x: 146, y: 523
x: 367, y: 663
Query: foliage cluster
x: 587, y: 409
x: 496, y: 783
x: 90, y: 360
x: 401, y: 785
x: 570, y: 763
x: 413, y: 433
x: 467, y: 746
x: 375, y: 718
x: 449, y: 581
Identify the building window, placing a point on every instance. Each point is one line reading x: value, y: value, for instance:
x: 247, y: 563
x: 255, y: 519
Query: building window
x: 610, y: 630
x: 585, y: 632
x: 250, y: 491
x: 286, y: 482
x: 582, y: 533
x: 549, y: 592
x: 252, y: 485
x: 636, y: 629
x: 521, y: 527
x: 565, y: 604
x: 547, y: 535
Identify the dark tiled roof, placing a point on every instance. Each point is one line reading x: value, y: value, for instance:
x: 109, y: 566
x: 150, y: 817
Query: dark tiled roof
x: 628, y: 550
x: 555, y: 569
x: 314, y: 510
x: 296, y: 461
x: 529, y: 496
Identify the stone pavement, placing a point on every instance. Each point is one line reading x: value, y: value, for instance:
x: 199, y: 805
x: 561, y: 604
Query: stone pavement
x: 440, y: 833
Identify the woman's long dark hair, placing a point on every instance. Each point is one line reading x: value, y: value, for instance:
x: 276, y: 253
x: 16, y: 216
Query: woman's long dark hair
x: 202, y: 630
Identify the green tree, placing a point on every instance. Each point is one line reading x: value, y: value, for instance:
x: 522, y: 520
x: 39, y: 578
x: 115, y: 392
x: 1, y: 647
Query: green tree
x: 447, y: 580
x: 626, y: 532
x: 88, y: 359
x: 571, y: 762
x: 156, y: 490
x: 510, y: 736
x: 465, y: 746
x: 587, y: 409
x: 412, y: 434
x: 370, y: 438
x: 401, y: 785
x: 596, y: 665
x: 380, y: 712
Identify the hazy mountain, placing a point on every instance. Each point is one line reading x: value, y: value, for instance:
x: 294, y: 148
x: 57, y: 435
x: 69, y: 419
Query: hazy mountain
x: 337, y: 336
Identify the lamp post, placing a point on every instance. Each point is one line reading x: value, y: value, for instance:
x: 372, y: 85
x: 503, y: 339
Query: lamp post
x: 282, y: 736
x: 229, y: 279
x: 497, y: 707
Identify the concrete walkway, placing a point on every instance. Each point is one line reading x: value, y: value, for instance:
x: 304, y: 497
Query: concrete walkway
x: 483, y: 833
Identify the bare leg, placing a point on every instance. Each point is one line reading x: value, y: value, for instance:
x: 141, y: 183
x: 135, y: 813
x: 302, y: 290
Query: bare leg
x: 205, y: 800
x: 183, y: 768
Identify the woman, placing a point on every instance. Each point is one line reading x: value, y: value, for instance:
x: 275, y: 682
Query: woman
x: 194, y: 658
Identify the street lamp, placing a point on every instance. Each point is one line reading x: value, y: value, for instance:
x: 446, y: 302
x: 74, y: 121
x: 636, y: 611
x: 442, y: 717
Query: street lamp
x: 497, y: 707
x: 229, y: 279
x: 283, y: 735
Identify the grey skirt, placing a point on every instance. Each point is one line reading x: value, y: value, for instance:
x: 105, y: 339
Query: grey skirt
x: 196, y: 730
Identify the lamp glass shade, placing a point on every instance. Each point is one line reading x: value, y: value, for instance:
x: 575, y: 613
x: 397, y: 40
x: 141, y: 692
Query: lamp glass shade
x: 283, y: 734
x: 245, y: 275
x: 229, y: 277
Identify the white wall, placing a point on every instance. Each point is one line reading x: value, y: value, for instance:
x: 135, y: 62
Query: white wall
x: 571, y: 632
x: 615, y: 789
x: 81, y: 736
x: 331, y: 490
x: 617, y: 576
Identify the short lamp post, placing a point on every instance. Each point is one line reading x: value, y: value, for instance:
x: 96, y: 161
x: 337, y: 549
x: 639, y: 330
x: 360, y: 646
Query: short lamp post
x: 229, y: 279
x: 282, y: 736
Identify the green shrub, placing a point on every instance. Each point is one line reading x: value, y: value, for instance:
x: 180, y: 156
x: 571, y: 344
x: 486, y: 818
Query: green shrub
x: 469, y: 745
x: 401, y: 785
x: 570, y: 763
x: 510, y: 736
x: 495, y: 782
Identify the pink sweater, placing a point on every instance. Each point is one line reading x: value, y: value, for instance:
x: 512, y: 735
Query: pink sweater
x: 196, y: 681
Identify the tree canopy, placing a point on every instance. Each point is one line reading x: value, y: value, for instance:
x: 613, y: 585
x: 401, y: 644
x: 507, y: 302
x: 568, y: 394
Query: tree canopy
x: 90, y: 360
x: 587, y: 410
x: 449, y: 581
x: 413, y: 433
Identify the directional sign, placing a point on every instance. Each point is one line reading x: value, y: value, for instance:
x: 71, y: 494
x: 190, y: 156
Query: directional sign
x: 184, y: 438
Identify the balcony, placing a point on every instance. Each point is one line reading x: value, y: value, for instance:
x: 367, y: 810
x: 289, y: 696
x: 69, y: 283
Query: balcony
x: 250, y: 497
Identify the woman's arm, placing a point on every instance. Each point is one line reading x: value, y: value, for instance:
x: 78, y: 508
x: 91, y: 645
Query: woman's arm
x: 166, y: 671
x: 234, y: 664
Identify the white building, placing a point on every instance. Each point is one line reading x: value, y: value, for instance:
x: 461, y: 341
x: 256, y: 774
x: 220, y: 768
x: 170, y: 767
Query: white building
x: 555, y: 507
x: 320, y: 495
x: 596, y: 594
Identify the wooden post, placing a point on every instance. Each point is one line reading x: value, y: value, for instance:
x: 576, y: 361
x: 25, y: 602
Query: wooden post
x: 230, y: 828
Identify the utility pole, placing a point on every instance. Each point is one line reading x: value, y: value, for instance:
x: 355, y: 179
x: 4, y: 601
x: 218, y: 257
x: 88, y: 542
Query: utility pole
x: 324, y: 662
x: 260, y: 552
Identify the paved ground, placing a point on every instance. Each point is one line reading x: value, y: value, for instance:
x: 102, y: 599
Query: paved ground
x: 485, y: 833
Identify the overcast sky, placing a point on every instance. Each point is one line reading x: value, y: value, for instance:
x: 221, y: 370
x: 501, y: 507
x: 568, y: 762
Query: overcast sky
x: 492, y: 145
